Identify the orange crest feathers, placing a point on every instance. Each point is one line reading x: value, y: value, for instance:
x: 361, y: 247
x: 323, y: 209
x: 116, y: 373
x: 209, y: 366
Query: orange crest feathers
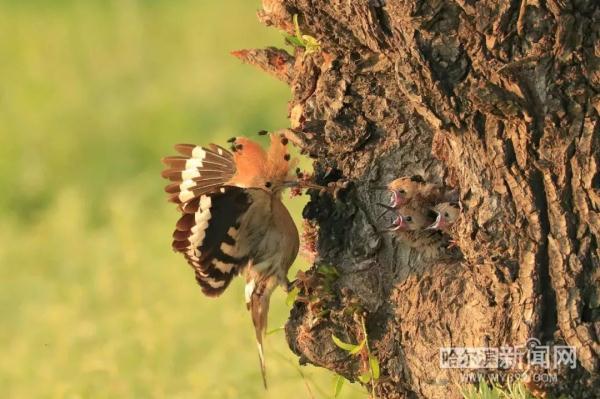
x: 279, y: 161
x: 250, y: 159
x: 255, y: 166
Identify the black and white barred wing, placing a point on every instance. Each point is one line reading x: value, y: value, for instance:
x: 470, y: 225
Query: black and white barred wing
x: 197, y: 171
x: 208, y: 238
x: 207, y: 231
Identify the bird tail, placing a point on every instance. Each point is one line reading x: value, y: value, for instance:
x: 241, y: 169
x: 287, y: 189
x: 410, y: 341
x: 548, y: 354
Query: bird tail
x: 261, y: 358
x: 258, y: 305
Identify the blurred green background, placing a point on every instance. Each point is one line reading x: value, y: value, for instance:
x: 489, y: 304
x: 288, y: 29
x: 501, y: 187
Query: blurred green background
x: 93, y: 302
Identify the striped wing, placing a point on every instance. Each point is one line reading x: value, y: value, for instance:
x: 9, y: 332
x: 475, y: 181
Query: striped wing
x: 197, y: 171
x: 207, y: 238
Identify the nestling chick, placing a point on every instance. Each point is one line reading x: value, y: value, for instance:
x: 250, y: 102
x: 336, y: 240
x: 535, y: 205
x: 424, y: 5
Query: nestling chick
x: 406, y: 189
x: 410, y: 224
x: 411, y: 218
x: 447, y: 214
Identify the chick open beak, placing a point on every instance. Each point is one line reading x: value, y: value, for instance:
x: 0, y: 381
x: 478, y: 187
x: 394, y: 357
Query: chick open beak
x: 438, y: 224
x: 397, y: 224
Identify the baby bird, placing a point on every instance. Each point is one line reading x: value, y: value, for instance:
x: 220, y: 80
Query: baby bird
x: 447, y: 214
x: 408, y: 188
x: 411, y: 218
x: 411, y: 225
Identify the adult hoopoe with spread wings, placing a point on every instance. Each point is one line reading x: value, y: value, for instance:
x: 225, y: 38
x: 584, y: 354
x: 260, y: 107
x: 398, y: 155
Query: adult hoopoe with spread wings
x: 233, y: 221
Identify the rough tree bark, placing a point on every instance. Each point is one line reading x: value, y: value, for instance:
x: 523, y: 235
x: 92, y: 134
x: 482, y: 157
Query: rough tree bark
x: 498, y: 99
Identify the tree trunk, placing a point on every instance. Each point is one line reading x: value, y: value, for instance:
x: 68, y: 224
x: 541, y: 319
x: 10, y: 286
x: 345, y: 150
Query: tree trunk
x: 497, y: 99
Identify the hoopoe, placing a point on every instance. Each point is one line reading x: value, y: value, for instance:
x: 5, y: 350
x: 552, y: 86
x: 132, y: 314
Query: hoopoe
x: 447, y: 214
x: 233, y: 219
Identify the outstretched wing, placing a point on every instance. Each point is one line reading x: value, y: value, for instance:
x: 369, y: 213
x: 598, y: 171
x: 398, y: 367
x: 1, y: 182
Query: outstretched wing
x: 207, y: 231
x: 198, y: 171
x: 207, y: 238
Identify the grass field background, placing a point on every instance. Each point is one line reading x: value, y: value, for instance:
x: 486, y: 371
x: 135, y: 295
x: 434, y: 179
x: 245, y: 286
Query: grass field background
x: 94, y: 303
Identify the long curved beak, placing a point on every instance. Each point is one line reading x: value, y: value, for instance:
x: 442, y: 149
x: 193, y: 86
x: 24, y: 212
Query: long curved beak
x: 302, y: 184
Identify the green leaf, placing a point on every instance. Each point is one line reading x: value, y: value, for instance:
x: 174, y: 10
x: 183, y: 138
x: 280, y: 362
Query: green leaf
x: 358, y: 347
x: 374, y: 363
x: 273, y: 331
x: 365, y: 377
x: 328, y: 270
x: 291, y: 296
x: 337, y: 386
x: 343, y: 345
x: 311, y: 43
x: 297, y: 28
x: 293, y: 40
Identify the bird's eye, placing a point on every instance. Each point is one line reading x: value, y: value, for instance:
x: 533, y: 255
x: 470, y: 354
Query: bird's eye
x: 268, y: 184
x: 408, y: 218
x: 402, y: 191
x: 286, y: 157
x: 446, y: 214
